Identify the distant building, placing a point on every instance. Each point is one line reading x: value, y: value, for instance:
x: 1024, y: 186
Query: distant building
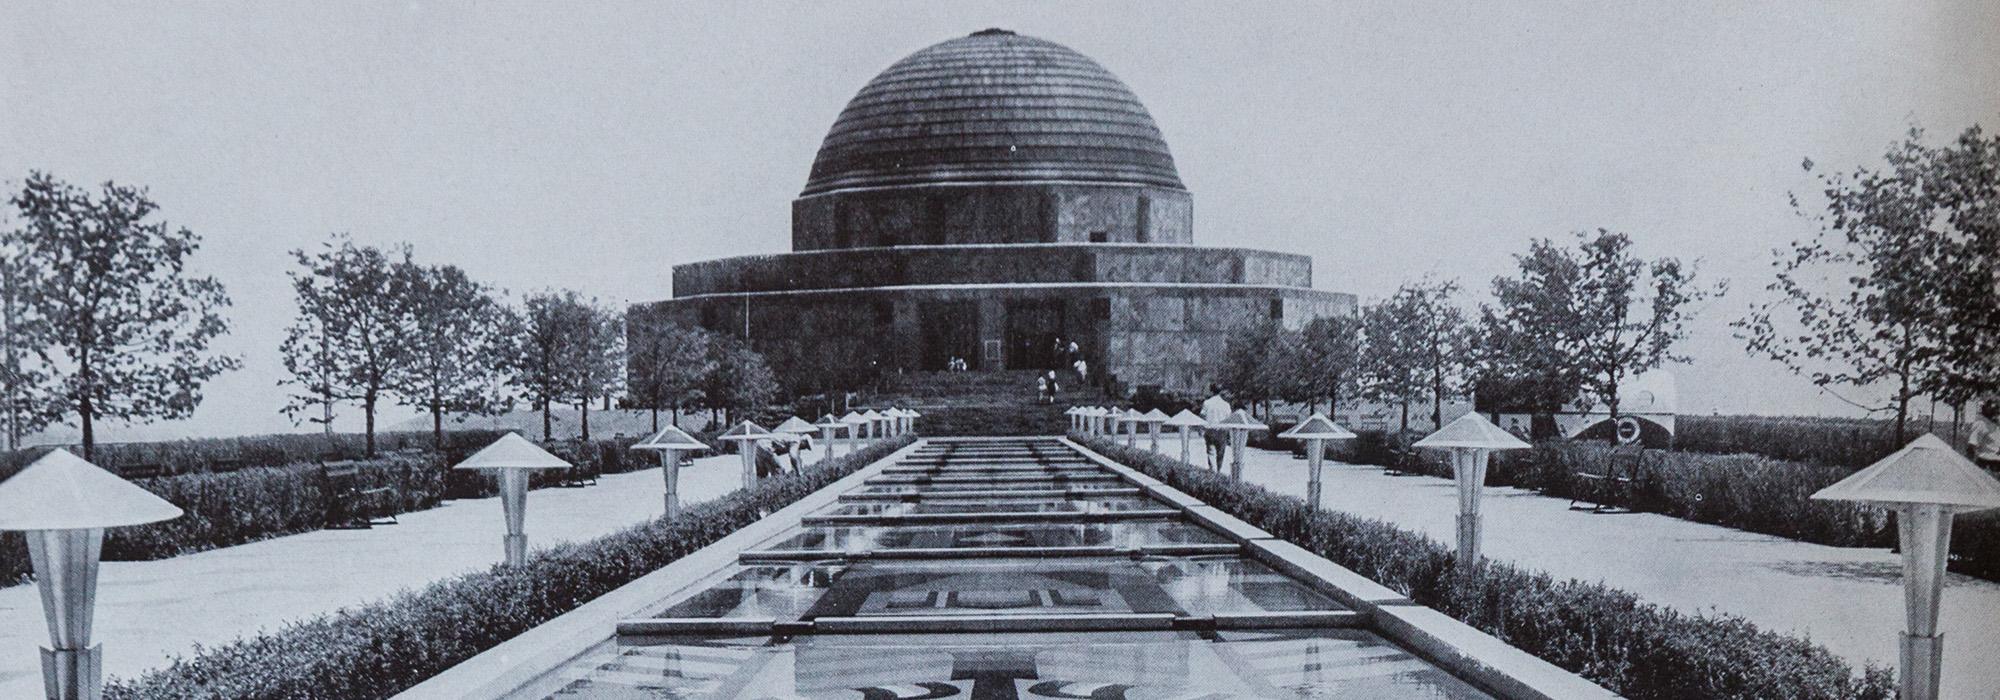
x: 980, y: 199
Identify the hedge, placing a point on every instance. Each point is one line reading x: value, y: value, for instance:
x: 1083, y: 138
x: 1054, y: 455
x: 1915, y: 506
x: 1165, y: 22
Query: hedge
x: 198, y: 455
x: 243, y: 506
x: 1840, y: 442
x: 1637, y: 649
x: 384, y: 648
x: 1742, y: 491
x: 250, y: 504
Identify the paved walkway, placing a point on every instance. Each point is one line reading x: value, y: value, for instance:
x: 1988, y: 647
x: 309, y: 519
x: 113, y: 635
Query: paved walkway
x: 1849, y: 600
x: 149, y: 611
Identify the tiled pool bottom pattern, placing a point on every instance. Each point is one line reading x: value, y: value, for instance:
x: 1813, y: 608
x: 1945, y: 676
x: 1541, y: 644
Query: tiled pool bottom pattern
x: 993, y: 570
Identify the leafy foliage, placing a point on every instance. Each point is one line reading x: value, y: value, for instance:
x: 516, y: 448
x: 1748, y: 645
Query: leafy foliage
x: 668, y: 362
x: 118, y: 327
x: 352, y: 334
x: 1901, y: 284
x: 1634, y: 648
x: 1578, y: 323
x: 739, y: 381
x: 455, y: 346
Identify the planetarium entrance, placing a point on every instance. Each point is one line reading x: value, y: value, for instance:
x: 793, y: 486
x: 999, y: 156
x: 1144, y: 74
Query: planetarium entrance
x: 950, y: 330
x: 1032, y: 329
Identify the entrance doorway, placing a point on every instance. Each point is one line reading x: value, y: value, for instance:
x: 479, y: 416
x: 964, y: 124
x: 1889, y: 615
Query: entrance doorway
x: 950, y: 329
x: 1032, y: 329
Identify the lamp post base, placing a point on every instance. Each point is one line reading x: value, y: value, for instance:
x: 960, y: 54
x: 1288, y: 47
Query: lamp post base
x: 1922, y: 666
x: 517, y: 549
x: 73, y: 674
x: 1467, y: 556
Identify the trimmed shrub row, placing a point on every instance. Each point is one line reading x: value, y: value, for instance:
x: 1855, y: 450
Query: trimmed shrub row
x: 244, y: 506
x: 1742, y: 491
x: 1637, y: 649
x: 202, y: 455
x: 1840, y: 442
x: 225, y: 508
x: 387, y: 647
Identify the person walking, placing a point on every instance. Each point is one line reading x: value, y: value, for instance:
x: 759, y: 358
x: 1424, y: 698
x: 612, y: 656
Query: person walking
x: 1041, y: 389
x: 1215, y: 410
x: 1054, y: 387
x: 1983, y: 442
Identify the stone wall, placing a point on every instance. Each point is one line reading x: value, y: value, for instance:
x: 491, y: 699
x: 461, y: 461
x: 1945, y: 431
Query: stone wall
x: 1163, y: 336
x: 994, y: 264
x: 992, y: 213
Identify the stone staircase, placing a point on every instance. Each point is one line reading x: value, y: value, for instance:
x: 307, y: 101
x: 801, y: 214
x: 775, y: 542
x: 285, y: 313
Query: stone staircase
x: 983, y: 403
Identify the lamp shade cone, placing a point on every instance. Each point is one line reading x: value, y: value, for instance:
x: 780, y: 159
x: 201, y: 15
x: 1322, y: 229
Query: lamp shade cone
x: 1926, y: 471
x: 670, y: 438
x: 1186, y: 419
x: 795, y: 426
x: 512, y: 451
x: 829, y: 422
x: 1472, y: 431
x: 1241, y: 420
x: 854, y: 418
x: 1153, y: 416
x: 1316, y: 427
x: 745, y: 431
x: 60, y: 491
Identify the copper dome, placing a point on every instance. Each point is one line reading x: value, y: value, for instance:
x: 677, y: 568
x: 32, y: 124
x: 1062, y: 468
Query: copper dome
x: 993, y: 107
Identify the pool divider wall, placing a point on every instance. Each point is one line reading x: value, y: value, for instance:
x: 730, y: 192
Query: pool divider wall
x: 1457, y: 647
x: 543, y: 650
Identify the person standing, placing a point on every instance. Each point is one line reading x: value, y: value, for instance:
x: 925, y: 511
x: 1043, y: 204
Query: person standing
x: 1983, y: 443
x: 1215, y: 410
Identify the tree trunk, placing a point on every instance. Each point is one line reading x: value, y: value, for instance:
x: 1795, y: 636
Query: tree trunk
x: 545, y: 419
x: 85, y: 412
x: 368, y: 408
x: 437, y: 424
x: 585, y: 424
x: 1406, y: 418
x: 656, y: 419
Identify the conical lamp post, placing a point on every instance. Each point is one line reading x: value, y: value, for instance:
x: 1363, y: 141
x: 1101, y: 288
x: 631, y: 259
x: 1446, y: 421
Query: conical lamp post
x: 1153, y: 419
x: 856, y: 424
x: 829, y: 430
x: 64, y: 504
x: 512, y: 457
x: 1186, y: 421
x: 794, y: 430
x: 1130, y: 419
x: 1926, y: 483
x: 1239, y: 425
x: 669, y: 443
x: 1471, y: 440
x: 747, y: 435
x: 875, y: 419
x: 1315, y: 431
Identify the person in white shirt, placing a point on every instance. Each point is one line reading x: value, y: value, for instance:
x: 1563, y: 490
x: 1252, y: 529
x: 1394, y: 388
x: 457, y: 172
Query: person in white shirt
x: 1984, y: 440
x: 1214, y: 410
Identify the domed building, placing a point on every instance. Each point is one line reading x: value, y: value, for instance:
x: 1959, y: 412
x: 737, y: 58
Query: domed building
x: 980, y: 199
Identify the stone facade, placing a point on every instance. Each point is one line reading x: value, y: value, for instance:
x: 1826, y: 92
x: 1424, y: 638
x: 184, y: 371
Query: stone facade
x: 978, y: 200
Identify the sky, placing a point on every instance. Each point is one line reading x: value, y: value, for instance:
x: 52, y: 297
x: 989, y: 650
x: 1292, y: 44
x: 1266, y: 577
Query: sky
x: 595, y: 145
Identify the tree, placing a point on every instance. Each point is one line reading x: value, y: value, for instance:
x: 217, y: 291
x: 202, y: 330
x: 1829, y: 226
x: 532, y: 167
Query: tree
x: 1253, y: 367
x: 1585, y: 320
x: 455, y: 346
x: 1898, y: 285
x: 1329, y: 359
x: 120, y: 327
x: 352, y: 335
x: 543, y: 359
x: 739, y: 380
x: 21, y: 375
x: 600, y: 359
x: 668, y: 363
x: 1438, y: 339
x: 1392, y: 371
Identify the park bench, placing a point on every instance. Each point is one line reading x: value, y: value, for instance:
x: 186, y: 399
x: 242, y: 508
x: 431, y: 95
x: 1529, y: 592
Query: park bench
x: 584, y: 470
x: 1610, y: 486
x: 350, y: 504
x: 148, y: 470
